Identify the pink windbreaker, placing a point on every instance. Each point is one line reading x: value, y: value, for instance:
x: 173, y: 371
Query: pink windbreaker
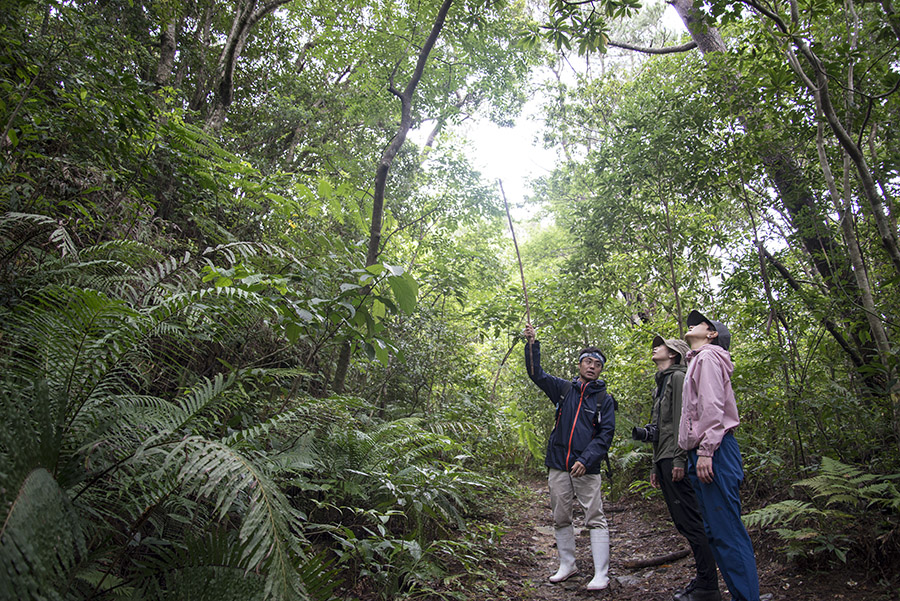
x: 708, y: 410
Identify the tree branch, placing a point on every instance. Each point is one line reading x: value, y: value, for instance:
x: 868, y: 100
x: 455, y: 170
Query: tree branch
x: 634, y: 564
x: 665, y: 50
x: 829, y: 325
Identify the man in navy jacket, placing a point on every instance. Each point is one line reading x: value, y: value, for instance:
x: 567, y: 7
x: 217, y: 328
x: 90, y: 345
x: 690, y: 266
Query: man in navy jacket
x: 585, y: 422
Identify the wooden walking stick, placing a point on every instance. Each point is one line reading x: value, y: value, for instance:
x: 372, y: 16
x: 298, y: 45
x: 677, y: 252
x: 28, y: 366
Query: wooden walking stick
x: 522, y: 273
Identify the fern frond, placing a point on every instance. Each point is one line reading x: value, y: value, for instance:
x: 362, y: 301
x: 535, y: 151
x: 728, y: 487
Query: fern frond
x: 269, y: 524
x: 72, y: 339
x: 13, y: 225
x: 457, y: 429
x: 17, y: 230
x: 266, y: 427
x: 233, y: 250
x: 781, y: 513
x: 884, y: 494
x: 128, y: 252
x: 199, y: 401
x: 41, y: 540
x: 206, y: 566
x: 63, y: 241
x: 842, y: 484
x: 175, y: 272
x: 215, y: 308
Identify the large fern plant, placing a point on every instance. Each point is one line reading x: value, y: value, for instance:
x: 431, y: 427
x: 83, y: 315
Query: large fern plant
x: 850, y: 510
x: 119, y: 458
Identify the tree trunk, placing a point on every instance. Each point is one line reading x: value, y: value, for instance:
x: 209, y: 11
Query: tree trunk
x: 826, y: 255
x: 165, y: 188
x: 845, y: 216
x: 870, y: 192
x: 204, y: 33
x: 387, y: 159
x: 248, y: 15
x: 166, y: 63
x: 832, y: 327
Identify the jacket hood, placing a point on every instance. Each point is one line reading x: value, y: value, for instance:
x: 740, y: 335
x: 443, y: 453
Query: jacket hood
x: 671, y: 369
x: 593, y: 386
x: 723, y: 356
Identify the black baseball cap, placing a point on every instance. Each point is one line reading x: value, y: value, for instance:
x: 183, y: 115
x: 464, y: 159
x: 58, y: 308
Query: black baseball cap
x: 724, y: 337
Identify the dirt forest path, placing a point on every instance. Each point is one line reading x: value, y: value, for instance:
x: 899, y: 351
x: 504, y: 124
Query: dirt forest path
x: 639, y: 529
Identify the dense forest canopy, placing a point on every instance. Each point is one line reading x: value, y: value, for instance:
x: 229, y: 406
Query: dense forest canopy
x: 258, y: 342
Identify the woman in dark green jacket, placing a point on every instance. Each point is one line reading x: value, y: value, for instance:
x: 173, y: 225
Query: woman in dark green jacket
x: 670, y: 461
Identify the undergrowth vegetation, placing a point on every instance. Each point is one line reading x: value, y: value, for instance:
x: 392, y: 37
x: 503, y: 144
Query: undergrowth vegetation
x: 134, y: 465
x: 849, y: 515
x: 254, y: 346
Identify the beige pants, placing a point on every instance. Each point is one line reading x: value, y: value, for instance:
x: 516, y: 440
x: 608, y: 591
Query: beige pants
x: 564, y: 489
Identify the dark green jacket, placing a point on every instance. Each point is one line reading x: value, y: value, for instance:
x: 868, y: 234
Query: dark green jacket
x: 666, y: 414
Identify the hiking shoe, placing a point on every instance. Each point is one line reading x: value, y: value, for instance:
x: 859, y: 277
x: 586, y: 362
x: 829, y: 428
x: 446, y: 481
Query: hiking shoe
x: 682, y: 594
x: 703, y: 594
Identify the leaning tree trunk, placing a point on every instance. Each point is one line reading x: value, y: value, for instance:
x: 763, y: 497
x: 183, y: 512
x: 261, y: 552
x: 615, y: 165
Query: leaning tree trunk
x: 820, y: 87
x: 384, y: 166
x: 845, y: 215
x: 248, y: 15
x: 798, y: 198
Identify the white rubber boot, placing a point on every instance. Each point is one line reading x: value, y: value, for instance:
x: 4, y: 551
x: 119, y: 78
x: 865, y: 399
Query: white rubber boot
x: 565, y: 547
x: 600, y: 551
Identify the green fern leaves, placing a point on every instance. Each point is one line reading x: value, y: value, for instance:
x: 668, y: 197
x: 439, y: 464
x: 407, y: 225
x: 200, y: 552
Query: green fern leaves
x: 841, y: 495
x: 42, y: 540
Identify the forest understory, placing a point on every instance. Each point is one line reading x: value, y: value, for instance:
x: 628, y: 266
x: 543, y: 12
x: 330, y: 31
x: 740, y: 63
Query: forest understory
x: 641, y: 529
x: 262, y: 297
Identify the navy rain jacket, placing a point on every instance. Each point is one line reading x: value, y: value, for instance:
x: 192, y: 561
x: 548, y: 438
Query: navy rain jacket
x: 585, y: 417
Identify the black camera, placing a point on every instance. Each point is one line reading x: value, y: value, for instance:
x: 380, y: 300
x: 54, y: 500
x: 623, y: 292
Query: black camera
x: 649, y: 433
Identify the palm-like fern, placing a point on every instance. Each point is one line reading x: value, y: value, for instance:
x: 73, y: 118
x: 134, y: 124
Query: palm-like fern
x: 123, y: 448
x: 97, y: 468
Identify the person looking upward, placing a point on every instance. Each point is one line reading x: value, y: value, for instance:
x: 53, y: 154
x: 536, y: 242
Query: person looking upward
x: 709, y: 417
x: 670, y: 463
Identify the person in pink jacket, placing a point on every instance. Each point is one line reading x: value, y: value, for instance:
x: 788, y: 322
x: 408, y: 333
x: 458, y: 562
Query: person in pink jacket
x: 709, y: 417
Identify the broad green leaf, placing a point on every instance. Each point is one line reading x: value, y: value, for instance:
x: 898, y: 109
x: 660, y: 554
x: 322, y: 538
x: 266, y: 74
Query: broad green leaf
x: 379, y: 310
x: 405, y: 290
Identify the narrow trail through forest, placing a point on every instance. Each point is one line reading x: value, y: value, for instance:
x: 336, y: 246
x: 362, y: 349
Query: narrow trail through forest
x: 641, y: 529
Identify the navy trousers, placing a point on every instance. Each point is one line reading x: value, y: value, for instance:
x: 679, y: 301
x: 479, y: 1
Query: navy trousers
x: 720, y: 504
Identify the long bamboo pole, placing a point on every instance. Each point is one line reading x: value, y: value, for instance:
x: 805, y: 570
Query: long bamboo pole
x: 521, y: 273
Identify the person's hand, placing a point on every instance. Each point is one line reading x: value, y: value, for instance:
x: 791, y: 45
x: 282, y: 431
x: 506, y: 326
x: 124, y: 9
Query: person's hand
x: 705, y: 469
x: 677, y: 474
x: 654, y: 481
x: 578, y: 469
x: 529, y: 333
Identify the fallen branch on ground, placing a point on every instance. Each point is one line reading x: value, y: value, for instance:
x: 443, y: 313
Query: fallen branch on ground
x: 634, y: 564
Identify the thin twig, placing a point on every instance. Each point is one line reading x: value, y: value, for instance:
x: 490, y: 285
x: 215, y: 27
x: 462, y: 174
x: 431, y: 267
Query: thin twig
x: 522, y: 273
x: 499, y: 368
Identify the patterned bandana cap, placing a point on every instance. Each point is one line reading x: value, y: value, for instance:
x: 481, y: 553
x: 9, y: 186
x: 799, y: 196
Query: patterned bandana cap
x: 597, y: 356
